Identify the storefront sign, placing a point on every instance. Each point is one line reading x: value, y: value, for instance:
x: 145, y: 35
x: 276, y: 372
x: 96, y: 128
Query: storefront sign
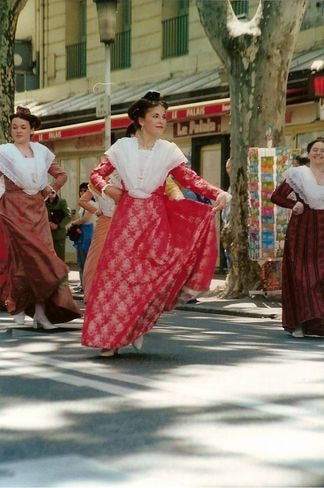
x: 83, y: 129
x: 190, y: 119
x: 197, y: 126
x: 200, y: 110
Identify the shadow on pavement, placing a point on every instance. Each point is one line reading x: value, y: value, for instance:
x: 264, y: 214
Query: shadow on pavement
x: 201, y: 388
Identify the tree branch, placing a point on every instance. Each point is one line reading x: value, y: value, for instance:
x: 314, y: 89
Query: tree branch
x: 214, y: 17
x: 17, y: 6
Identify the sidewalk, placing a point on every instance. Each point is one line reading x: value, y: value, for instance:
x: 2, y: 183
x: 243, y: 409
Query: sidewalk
x: 257, y: 306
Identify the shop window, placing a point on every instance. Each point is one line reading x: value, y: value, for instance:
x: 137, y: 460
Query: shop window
x: 175, y: 16
x: 241, y: 8
x: 121, y: 47
x: 76, y: 34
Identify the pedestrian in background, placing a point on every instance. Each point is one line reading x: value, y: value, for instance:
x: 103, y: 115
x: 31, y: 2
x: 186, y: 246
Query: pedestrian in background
x: 303, y: 260
x: 37, y: 277
x: 59, y: 215
x: 225, y: 220
x: 103, y: 209
x: 157, y: 250
x: 82, y: 245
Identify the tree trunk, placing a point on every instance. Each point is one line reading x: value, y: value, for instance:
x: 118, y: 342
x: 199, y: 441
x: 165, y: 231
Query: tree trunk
x: 9, y: 12
x: 256, y: 55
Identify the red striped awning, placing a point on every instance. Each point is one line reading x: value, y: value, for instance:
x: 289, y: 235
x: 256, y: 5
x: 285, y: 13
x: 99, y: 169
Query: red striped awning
x: 178, y: 113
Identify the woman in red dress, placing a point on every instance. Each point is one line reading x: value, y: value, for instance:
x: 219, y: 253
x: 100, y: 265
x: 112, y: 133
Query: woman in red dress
x: 37, y: 282
x: 303, y: 260
x: 157, y: 250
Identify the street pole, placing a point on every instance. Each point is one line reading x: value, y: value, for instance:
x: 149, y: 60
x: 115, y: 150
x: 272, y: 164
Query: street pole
x: 108, y: 96
x: 106, y: 12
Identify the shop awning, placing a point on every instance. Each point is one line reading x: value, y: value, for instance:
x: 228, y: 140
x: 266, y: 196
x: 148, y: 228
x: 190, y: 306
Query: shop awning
x: 175, y: 113
x: 125, y: 96
x: 305, y: 59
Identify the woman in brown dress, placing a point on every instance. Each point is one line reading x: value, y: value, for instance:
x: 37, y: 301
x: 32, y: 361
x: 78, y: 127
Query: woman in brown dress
x: 37, y: 278
x: 303, y: 260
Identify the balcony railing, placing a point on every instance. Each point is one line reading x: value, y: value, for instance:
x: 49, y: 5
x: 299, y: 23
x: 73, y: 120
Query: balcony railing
x: 241, y: 7
x: 121, y: 51
x: 175, y: 36
x: 76, y: 60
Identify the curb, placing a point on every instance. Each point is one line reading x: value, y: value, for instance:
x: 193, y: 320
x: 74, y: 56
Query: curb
x: 234, y: 312
x: 212, y: 310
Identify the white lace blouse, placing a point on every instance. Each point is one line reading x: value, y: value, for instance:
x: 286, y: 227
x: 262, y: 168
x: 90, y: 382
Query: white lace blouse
x: 302, y: 180
x: 143, y: 170
x: 30, y: 174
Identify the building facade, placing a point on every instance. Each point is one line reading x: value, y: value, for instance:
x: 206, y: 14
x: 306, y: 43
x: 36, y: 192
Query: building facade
x: 159, y: 44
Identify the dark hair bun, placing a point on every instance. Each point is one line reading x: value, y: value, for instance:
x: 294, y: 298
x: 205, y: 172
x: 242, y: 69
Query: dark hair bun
x: 152, y: 95
x: 139, y: 108
x: 25, y: 114
x: 133, y: 111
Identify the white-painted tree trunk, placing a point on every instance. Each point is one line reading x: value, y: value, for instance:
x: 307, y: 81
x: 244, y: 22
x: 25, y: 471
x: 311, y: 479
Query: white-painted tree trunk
x: 256, y: 55
x: 9, y: 12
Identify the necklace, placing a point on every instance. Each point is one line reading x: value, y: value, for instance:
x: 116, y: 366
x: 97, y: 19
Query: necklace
x: 26, y: 152
x: 145, y: 145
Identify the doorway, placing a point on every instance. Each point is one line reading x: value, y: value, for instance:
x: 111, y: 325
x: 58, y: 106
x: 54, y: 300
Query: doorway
x: 209, y: 156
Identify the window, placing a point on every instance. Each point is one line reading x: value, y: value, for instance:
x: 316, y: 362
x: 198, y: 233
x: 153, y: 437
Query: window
x: 241, y: 8
x: 76, y: 35
x: 26, y: 69
x: 121, y: 47
x: 174, y: 28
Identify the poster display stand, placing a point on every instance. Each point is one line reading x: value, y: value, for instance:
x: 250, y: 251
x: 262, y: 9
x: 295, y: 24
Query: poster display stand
x: 267, y: 222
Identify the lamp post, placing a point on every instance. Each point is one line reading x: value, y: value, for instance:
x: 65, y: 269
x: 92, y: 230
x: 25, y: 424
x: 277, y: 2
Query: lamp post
x: 106, y: 12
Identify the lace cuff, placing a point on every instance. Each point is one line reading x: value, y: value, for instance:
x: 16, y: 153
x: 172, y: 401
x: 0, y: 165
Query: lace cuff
x: 227, y: 195
x: 103, y: 194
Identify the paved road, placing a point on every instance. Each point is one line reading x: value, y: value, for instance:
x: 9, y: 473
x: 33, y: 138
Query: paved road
x: 209, y: 402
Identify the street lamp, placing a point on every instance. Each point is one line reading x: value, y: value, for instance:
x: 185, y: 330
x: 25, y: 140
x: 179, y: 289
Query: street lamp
x: 106, y: 12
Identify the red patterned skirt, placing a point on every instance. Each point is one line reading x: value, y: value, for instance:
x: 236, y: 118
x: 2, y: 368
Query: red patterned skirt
x: 154, y: 248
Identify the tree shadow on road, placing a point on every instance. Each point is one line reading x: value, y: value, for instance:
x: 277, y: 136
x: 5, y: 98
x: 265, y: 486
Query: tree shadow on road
x: 226, y: 397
